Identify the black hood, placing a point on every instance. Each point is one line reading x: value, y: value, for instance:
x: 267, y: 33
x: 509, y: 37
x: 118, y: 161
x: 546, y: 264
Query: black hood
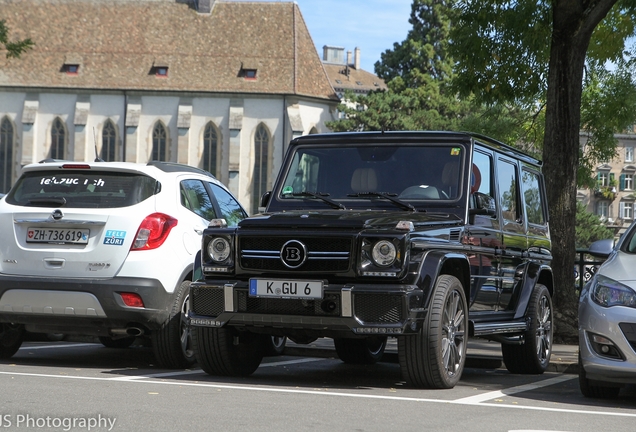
x: 345, y: 219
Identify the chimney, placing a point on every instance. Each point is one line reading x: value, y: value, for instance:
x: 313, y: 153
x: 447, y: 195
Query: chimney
x: 356, y: 59
x: 204, y: 6
x: 348, y: 57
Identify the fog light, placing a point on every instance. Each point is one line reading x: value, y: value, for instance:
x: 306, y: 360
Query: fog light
x: 132, y: 299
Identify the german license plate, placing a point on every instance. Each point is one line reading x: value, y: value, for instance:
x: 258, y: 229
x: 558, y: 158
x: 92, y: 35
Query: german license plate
x: 58, y: 235
x: 286, y: 288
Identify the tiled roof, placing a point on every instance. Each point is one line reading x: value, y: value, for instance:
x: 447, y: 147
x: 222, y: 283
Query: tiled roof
x: 116, y: 43
x: 345, y: 77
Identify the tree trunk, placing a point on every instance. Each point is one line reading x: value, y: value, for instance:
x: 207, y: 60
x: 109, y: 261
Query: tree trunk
x: 572, y: 29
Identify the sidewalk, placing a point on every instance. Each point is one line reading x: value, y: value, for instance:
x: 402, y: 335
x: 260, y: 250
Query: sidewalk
x: 480, y: 354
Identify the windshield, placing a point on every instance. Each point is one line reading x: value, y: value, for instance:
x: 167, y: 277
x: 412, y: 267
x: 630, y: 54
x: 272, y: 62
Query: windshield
x: 413, y: 173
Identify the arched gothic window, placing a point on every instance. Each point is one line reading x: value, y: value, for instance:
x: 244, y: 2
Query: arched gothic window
x: 109, y: 142
x: 210, y: 148
x: 159, y: 143
x: 6, y: 154
x: 261, y: 163
x: 58, y: 140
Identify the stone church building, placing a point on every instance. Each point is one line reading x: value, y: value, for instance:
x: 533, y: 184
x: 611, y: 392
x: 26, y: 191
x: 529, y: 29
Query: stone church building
x: 221, y: 85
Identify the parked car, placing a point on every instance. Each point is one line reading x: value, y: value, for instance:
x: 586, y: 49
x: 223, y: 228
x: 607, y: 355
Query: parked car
x: 106, y: 249
x: 428, y: 237
x: 607, y: 320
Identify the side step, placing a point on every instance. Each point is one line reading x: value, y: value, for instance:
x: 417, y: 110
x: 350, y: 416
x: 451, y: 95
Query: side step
x: 480, y: 330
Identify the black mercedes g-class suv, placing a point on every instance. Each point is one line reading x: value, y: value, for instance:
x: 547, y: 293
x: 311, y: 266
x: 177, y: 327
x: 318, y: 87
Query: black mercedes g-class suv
x: 427, y: 237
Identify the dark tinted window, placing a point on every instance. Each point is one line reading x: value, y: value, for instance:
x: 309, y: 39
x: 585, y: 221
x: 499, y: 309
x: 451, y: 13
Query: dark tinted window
x: 532, y: 197
x: 230, y: 208
x: 508, y: 184
x: 81, y: 189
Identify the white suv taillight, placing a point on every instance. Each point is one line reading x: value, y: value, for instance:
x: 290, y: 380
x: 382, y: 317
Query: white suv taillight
x: 153, y: 231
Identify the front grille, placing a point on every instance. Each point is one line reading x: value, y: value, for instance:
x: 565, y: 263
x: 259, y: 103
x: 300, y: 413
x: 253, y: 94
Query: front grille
x: 208, y: 302
x: 629, y: 330
x: 329, y: 306
x: 378, y: 308
x: 324, y: 254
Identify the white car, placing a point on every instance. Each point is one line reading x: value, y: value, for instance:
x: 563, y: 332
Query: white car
x: 607, y: 320
x: 106, y: 249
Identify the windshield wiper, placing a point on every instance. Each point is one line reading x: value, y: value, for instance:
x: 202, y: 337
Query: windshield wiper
x: 321, y: 196
x: 387, y: 195
x: 45, y: 202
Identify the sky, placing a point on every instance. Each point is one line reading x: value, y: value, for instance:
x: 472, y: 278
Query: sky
x: 371, y: 25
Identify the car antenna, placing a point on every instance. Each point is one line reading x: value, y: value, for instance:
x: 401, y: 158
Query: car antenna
x: 97, y: 158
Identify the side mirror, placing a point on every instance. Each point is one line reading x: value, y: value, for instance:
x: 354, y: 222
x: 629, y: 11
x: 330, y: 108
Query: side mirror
x: 265, y: 198
x: 482, y: 204
x: 601, y: 248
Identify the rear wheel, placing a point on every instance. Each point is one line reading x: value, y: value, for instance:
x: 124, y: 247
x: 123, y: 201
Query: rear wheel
x: 435, y: 356
x: 593, y: 389
x: 533, y: 356
x: 11, y: 337
x: 172, y: 343
x: 110, y: 342
x: 227, y: 352
x: 275, y: 345
x: 360, y: 351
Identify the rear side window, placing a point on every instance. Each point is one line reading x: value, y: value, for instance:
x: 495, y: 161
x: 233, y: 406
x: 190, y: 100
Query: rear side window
x: 81, y: 189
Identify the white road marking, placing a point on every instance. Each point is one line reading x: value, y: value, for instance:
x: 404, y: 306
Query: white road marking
x: 512, y: 390
x: 331, y: 393
x: 37, y: 347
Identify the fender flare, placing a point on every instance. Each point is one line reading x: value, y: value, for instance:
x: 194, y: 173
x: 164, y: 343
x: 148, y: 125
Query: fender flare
x: 436, y: 262
x: 533, y: 274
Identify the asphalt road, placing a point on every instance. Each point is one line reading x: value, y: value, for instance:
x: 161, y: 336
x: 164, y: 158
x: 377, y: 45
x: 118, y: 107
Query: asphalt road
x: 50, y: 385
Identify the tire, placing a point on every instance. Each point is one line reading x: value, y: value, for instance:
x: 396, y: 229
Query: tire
x: 435, y: 356
x: 592, y: 389
x: 275, y: 346
x: 11, y: 337
x: 124, y: 342
x: 533, y: 356
x: 172, y: 343
x: 360, y: 351
x: 227, y: 352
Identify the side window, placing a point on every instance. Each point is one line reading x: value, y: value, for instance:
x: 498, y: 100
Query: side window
x: 195, y: 198
x: 230, y: 208
x: 532, y: 197
x: 507, y: 180
x: 480, y: 177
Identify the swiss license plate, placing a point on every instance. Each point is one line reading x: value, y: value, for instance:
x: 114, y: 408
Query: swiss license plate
x: 286, y: 288
x: 58, y: 235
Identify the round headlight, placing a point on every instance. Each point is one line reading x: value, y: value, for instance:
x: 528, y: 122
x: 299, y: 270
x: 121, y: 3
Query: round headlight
x: 384, y: 253
x: 219, y: 249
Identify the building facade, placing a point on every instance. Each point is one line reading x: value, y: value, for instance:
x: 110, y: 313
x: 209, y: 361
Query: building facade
x: 221, y: 85
x: 614, y: 197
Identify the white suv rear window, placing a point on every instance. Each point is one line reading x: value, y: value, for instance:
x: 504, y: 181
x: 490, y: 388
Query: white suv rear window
x: 81, y: 189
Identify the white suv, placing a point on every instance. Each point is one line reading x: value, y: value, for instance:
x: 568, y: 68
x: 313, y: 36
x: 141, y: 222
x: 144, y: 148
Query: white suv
x: 106, y: 249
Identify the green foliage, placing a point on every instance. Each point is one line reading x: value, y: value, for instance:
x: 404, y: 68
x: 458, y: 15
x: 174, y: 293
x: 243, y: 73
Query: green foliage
x: 608, y: 106
x: 15, y: 48
x: 589, y: 228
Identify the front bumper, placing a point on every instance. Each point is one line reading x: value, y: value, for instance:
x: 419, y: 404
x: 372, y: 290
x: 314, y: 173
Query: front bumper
x: 618, y: 324
x: 82, y: 306
x: 362, y: 309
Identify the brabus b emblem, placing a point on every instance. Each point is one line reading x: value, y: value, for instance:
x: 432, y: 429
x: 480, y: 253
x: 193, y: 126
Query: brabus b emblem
x: 293, y: 254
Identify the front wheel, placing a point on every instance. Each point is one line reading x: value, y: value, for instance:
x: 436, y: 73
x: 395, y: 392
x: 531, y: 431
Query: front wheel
x: 435, y: 356
x: 228, y: 352
x: 533, y: 356
x: 11, y: 337
x: 360, y: 351
x: 172, y: 343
